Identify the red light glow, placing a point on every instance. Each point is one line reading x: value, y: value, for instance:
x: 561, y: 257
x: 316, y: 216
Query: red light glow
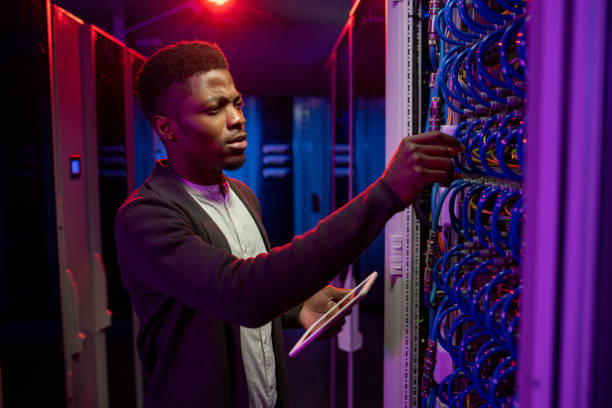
x: 218, y: 2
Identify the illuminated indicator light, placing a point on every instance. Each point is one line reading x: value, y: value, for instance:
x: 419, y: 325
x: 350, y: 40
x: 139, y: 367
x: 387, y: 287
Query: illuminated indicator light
x: 218, y: 2
x: 75, y: 165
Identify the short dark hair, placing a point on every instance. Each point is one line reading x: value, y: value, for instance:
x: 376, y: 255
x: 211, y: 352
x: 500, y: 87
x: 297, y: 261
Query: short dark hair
x: 171, y: 65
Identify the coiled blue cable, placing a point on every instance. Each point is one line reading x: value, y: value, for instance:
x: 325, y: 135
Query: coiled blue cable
x: 514, y: 236
x: 457, y: 250
x: 484, y: 77
x: 433, y: 57
x: 492, y: 321
x: 467, y: 225
x: 455, y: 223
x: 440, y: 30
x: 488, y: 349
x: 471, y: 141
x: 481, y: 269
x: 486, y: 138
x: 443, y: 70
x: 453, y: 349
x: 462, y: 92
x: 484, y: 236
x: 511, y: 6
x: 438, y: 203
x: 449, y: 383
x: 441, y: 396
x: 448, y: 19
x: 522, y: 48
x: 468, y: 21
x: 496, y: 237
x: 491, y: 16
x: 487, y: 307
x: 510, y: 34
x: 457, y: 161
x: 462, y: 397
x: 503, y: 370
x: 470, y: 80
x: 520, y: 146
x: 503, y: 139
x: 440, y: 335
x: 507, y: 331
x: 470, y: 339
x: 474, y: 314
x: 507, y: 71
x: 517, y: 3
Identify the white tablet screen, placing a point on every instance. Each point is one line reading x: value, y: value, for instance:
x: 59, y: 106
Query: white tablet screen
x: 340, y: 309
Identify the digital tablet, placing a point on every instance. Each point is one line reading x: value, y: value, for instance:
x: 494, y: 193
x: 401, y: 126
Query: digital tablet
x: 340, y: 309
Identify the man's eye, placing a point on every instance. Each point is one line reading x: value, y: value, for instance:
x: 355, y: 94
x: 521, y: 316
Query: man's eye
x: 213, y: 110
x: 239, y: 104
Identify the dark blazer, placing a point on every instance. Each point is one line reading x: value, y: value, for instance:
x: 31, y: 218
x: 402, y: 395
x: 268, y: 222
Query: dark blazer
x: 191, y: 294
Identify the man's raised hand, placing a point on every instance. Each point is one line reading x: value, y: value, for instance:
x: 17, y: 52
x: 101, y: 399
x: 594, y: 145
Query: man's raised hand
x: 421, y: 160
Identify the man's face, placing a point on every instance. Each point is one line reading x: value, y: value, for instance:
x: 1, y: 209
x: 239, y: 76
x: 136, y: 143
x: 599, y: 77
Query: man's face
x: 210, y: 124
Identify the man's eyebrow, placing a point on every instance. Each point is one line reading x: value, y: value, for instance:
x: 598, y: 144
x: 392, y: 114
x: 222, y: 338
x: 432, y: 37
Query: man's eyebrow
x: 217, y: 99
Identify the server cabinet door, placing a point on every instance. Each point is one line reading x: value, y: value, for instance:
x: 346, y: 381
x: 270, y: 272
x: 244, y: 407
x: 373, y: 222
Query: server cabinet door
x: 31, y: 356
x: 115, y: 166
x: 82, y: 276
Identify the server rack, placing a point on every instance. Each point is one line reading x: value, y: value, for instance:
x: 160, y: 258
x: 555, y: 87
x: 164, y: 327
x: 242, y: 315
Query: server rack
x: 403, y: 238
x: 561, y: 327
x: 31, y: 339
x: 356, y: 69
x: 74, y: 83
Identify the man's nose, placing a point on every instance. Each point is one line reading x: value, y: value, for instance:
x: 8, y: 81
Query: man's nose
x: 235, y: 118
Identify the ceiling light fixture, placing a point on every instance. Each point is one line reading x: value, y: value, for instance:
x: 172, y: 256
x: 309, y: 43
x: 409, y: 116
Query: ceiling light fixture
x: 218, y: 2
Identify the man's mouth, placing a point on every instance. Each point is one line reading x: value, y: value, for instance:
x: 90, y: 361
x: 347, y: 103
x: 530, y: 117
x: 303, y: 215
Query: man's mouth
x: 238, y: 143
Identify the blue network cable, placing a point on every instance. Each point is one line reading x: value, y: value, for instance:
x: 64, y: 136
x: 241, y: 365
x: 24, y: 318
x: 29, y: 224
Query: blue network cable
x: 484, y: 141
x: 488, y: 14
x: 468, y: 21
x: 511, y: 33
x: 440, y: 31
x: 448, y: 19
x: 472, y: 287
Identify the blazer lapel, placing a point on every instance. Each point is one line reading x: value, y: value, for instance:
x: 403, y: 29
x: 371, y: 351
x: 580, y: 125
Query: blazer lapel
x: 166, y: 183
x: 252, y: 211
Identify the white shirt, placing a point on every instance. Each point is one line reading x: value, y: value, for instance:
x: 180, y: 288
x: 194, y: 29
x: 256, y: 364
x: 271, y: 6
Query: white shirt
x: 234, y: 220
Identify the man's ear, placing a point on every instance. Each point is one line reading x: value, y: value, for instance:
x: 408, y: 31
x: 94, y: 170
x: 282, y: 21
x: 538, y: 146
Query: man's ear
x: 164, y: 128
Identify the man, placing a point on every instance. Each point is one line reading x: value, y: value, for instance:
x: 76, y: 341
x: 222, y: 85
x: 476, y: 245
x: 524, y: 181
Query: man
x: 210, y: 294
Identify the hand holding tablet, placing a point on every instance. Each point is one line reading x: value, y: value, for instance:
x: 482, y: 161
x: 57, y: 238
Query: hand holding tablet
x: 340, y: 309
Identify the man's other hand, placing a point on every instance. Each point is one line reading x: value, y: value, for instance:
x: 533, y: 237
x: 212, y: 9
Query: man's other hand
x: 318, y: 304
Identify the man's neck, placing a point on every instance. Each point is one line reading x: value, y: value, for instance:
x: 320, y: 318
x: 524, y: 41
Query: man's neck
x: 204, y: 178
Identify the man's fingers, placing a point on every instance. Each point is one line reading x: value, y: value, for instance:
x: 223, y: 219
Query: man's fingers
x: 434, y: 162
x: 436, y: 138
x: 430, y: 176
x: 336, y: 294
x: 433, y: 150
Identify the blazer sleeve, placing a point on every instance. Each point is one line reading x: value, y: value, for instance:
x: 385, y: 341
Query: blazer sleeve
x: 159, y: 251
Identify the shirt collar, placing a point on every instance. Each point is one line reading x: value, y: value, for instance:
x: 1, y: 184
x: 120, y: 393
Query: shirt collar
x: 216, y: 192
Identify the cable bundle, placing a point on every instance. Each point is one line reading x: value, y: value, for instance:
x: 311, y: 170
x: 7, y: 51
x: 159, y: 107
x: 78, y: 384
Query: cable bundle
x: 481, y: 77
x: 472, y: 286
x: 472, y: 290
